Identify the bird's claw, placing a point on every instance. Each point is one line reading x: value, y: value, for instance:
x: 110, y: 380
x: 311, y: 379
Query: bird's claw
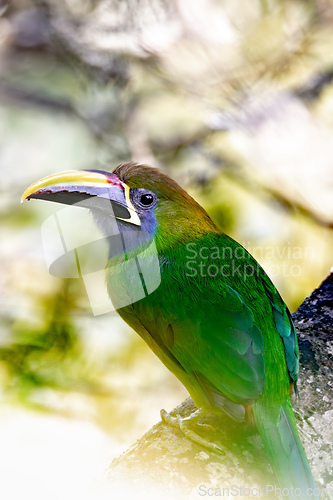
x: 182, y: 425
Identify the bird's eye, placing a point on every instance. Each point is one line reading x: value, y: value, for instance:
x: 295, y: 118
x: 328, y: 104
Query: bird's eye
x: 147, y: 199
x: 143, y: 198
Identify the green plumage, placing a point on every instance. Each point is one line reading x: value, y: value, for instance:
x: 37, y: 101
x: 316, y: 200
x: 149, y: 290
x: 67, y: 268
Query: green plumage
x: 229, y: 338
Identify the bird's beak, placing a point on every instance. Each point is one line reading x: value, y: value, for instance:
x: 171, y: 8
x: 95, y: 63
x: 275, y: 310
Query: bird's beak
x: 94, y: 189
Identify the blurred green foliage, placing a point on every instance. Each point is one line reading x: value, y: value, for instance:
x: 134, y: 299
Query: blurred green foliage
x: 48, y: 354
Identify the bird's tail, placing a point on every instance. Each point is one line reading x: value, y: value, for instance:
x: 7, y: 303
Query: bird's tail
x: 277, y: 429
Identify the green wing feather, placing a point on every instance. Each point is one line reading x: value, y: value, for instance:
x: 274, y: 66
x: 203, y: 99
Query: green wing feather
x: 285, y: 327
x: 228, y: 345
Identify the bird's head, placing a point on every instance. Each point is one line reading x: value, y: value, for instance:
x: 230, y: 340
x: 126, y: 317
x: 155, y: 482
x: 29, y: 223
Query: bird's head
x: 142, y: 199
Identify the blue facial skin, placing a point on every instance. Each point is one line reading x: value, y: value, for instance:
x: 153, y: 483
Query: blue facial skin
x: 135, y: 236
x: 124, y: 236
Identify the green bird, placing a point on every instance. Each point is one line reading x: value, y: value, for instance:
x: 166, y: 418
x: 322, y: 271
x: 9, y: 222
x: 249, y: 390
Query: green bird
x: 207, y: 309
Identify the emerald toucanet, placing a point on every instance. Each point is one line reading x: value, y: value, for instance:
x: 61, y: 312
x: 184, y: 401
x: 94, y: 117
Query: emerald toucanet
x: 215, y: 319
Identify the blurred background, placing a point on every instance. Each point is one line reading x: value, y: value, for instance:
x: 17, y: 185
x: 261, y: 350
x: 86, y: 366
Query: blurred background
x: 234, y: 100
